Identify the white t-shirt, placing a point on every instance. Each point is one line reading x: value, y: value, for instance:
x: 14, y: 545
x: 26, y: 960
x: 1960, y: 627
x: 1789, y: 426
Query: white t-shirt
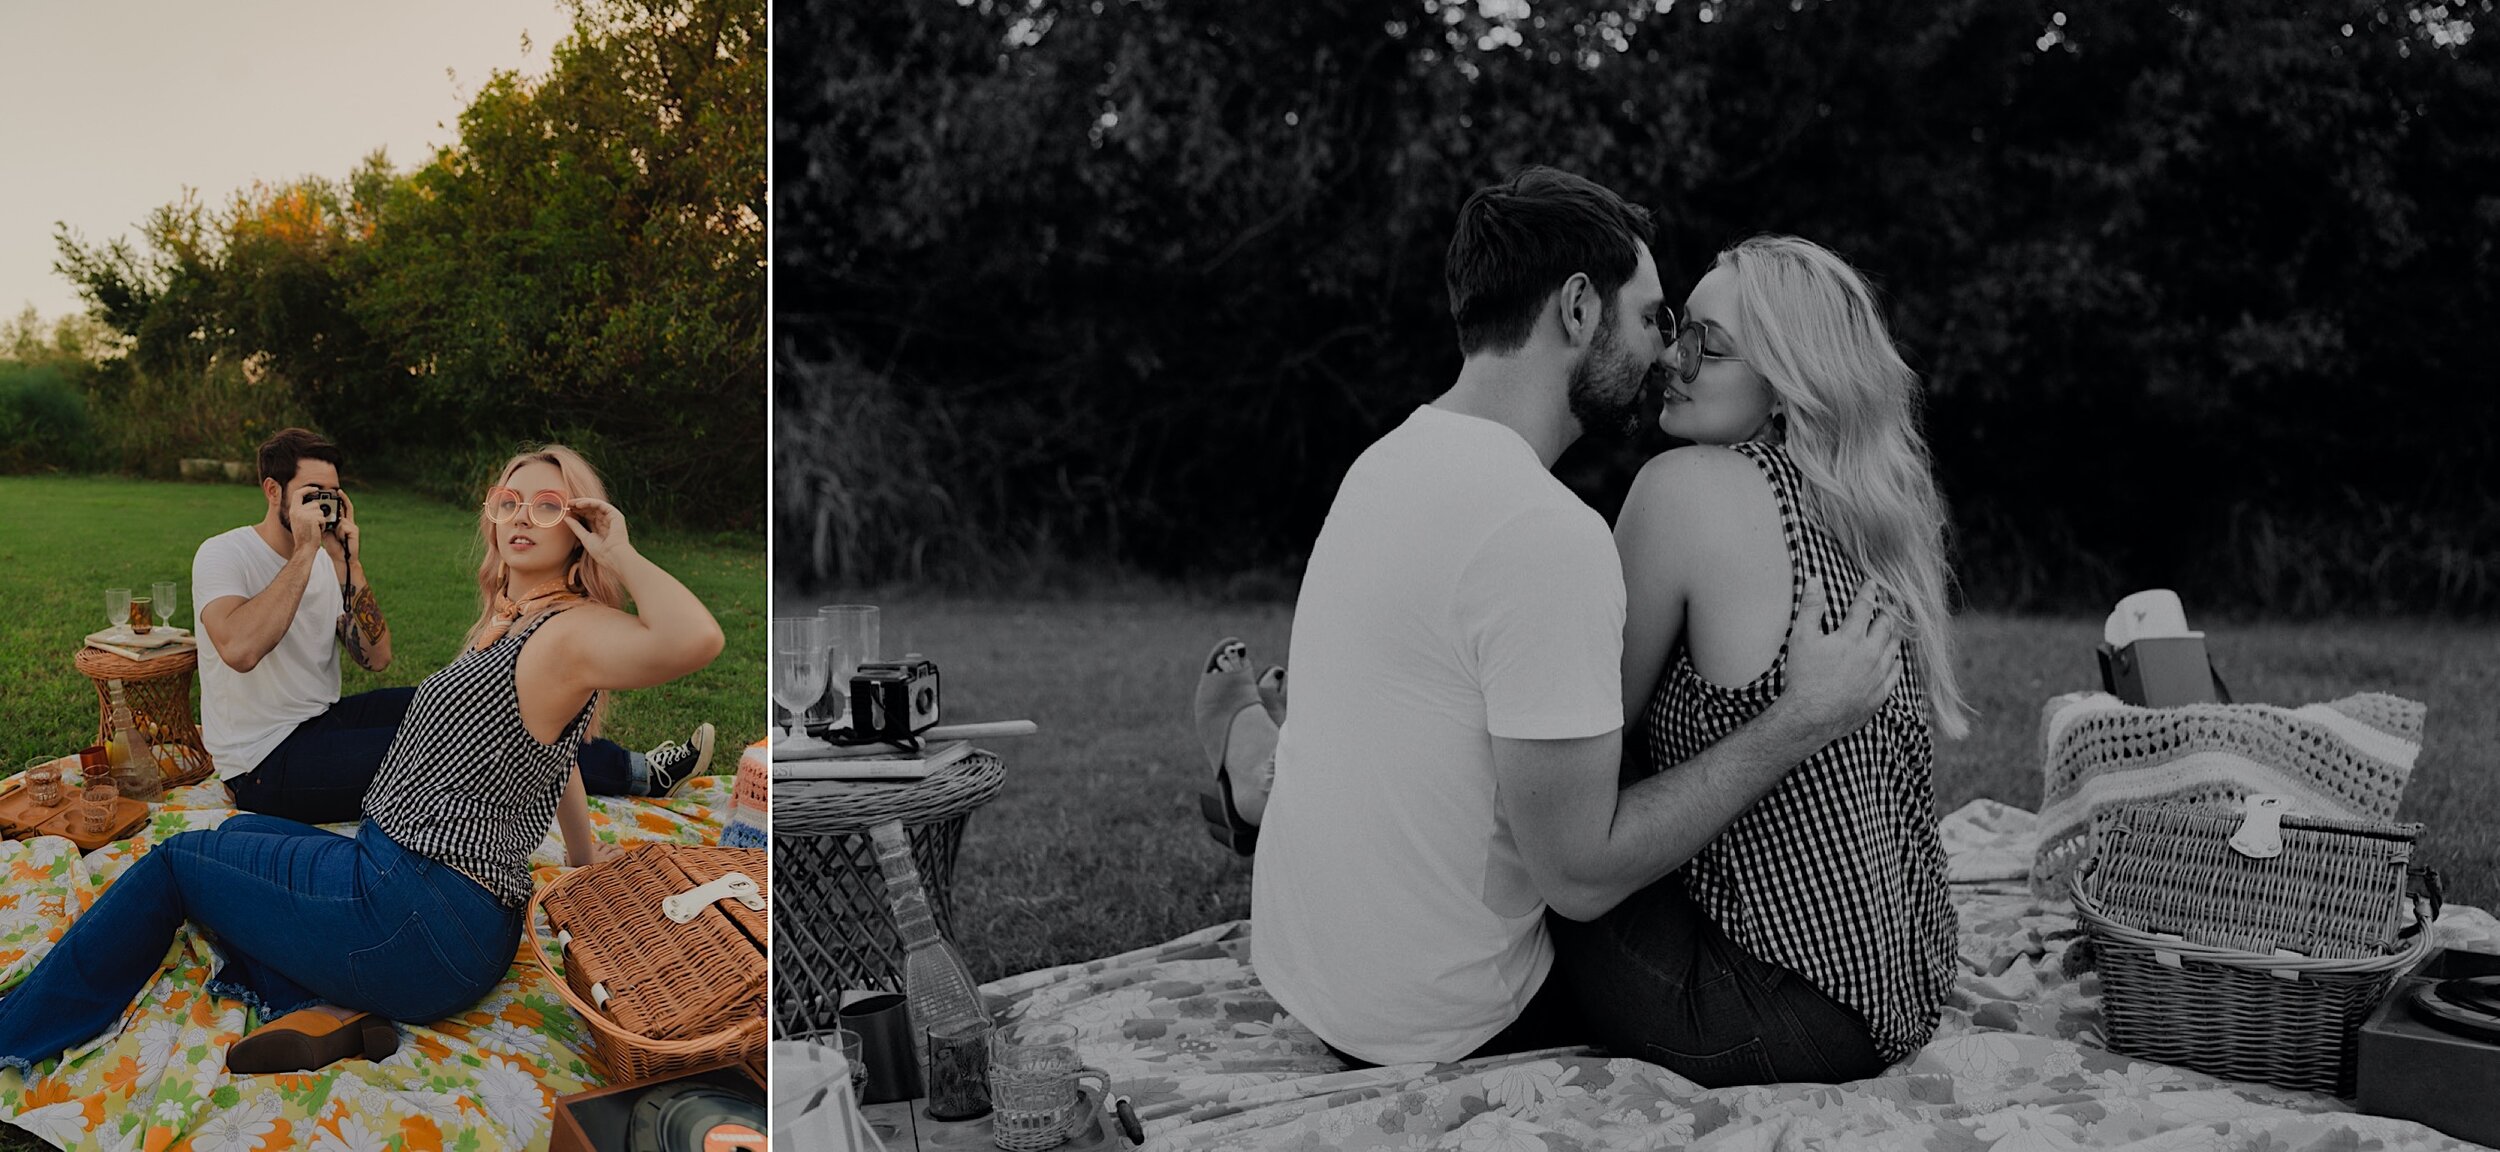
x: 243, y: 715
x: 1457, y: 592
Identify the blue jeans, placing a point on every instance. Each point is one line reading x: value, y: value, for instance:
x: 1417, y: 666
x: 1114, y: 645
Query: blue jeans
x: 319, y: 774
x: 299, y: 915
x: 1655, y: 979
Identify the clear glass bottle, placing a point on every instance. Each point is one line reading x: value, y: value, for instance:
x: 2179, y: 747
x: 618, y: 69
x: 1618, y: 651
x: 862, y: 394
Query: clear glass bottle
x: 135, y: 770
x: 937, y: 985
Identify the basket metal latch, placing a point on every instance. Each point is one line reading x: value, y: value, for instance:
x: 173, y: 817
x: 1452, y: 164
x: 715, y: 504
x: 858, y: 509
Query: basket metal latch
x: 2261, y: 833
x: 690, y: 903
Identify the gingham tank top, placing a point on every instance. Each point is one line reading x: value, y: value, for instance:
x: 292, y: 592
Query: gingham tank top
x: 465, y: 784
x: 1837, y: 874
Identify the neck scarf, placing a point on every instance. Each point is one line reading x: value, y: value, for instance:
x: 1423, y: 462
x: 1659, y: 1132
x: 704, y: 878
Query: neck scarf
x: 548, y: 597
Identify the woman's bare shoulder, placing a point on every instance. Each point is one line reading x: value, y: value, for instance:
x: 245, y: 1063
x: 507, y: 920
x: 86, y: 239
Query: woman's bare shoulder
x: 581, y: 619
x: 1703, y: 482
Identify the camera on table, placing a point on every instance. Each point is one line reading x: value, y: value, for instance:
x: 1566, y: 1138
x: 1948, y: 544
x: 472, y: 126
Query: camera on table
x: 333, y: 505
x: 894, y: 700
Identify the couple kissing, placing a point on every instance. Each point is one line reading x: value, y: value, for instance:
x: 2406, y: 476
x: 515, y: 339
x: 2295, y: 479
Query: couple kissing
x: 1666, y: 788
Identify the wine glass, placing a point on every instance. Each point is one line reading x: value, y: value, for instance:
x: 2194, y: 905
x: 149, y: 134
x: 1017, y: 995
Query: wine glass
x: 851, y: 634
x: 116, y: 607
x: 162, y: 594
x: 798, y: 665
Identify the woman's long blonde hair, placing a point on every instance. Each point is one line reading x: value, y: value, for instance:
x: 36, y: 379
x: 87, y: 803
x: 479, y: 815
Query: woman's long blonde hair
x: 585, y: 576
x: 1813, y: 329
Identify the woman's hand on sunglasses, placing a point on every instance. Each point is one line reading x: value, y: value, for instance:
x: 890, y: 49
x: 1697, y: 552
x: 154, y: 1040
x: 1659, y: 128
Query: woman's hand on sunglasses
x: 599, y: 525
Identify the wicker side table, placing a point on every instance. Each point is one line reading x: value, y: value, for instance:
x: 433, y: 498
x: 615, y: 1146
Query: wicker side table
x: 829, y: 903
x: 159, y: 692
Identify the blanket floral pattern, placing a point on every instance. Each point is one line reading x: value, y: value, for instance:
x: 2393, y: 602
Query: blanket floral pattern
x: 483, y: 1081
x: 1212, y: 1063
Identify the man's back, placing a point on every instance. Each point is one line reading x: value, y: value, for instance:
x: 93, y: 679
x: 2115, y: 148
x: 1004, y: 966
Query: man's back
x: 1457, y: 592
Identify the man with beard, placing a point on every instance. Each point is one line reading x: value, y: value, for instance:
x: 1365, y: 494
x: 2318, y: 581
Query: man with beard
x: 1449, y: 771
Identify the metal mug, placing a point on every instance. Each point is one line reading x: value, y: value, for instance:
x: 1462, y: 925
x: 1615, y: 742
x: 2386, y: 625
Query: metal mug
x: 883, y: 1022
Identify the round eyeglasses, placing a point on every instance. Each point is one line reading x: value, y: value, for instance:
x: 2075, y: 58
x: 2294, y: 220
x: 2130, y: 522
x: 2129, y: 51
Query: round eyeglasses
x: 545, y: 510
x: 1691, y: 347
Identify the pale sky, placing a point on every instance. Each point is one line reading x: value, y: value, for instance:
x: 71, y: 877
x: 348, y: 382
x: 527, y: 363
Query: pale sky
x: 109, y: 108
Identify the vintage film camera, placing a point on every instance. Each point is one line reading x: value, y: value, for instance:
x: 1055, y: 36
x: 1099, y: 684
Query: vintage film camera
x: 894, y: 700
x: 333, y: 505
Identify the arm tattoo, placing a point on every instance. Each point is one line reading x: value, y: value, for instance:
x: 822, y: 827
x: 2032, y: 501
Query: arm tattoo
x: 360, y: 627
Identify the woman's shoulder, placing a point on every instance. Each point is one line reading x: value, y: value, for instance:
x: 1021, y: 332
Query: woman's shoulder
x: 1699, y: 478
x: 575, y: 619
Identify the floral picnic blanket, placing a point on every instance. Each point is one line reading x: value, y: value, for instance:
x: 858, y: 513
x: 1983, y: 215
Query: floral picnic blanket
x: 484, y: 1081
x: 1211, y: 1062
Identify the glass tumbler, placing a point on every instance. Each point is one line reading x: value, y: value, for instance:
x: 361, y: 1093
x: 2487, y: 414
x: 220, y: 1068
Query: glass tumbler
x: 43, y: 782
x: 95, y: 809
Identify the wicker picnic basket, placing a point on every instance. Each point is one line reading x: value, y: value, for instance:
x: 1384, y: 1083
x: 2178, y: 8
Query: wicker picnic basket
x: 2254, y: 969
x: 660, y: 997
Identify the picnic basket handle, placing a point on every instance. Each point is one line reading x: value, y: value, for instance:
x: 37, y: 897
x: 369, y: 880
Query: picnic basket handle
x: 546, y: 964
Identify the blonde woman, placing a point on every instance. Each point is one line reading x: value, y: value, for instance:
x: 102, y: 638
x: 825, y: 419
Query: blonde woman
x: 416, y: 916
x: 1812, y: 939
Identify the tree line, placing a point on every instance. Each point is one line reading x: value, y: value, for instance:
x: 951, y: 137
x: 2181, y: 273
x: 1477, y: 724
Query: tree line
x: 585, y: 263
x: 2200, y: 294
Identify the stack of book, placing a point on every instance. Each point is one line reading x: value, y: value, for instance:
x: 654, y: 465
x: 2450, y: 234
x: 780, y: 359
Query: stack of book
x: 162, y: 640
x: 813, y: 758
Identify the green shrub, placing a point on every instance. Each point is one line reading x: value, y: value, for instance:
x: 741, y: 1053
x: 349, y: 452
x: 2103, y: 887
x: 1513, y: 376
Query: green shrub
x: 148, y: 422
x: 43, y: 420
x: 866, y: 490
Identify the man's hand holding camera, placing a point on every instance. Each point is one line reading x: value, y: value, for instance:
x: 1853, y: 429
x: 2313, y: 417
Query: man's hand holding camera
x: 342, y: 531
x: 308, y: 523
x: 325, y: 518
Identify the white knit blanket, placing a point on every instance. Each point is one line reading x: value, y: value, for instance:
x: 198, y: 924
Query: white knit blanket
x: 2348, y: 759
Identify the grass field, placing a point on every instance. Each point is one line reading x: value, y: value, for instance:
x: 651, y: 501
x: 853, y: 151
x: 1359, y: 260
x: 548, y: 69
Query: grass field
x: 1095, y: 846
x: 67, y: 538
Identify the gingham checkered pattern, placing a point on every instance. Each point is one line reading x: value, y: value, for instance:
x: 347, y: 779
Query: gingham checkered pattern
x: 1837, y: 875
x: 464, y: 783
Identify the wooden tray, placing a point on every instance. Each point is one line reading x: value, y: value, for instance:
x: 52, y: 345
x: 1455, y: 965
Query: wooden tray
x: 905, y: 1126
x: 21, y: 817
x: 19, y: 814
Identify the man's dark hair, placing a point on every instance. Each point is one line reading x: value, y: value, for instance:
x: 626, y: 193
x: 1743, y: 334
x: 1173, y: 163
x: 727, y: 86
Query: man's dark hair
x: 1517, y: 241
x: 288, y: 447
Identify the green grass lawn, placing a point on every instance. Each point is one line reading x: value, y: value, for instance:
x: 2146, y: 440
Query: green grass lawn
x: 1095, y: 846
x: 63, y: 540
